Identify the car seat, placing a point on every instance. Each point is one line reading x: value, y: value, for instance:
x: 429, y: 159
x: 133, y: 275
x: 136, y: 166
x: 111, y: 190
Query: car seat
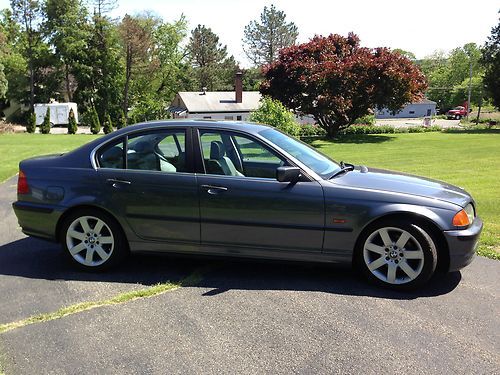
x: 219, y: 163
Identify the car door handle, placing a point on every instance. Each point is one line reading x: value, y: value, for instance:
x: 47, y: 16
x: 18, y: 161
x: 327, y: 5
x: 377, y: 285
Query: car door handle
x: 213, y: 190
x: 115, y: 182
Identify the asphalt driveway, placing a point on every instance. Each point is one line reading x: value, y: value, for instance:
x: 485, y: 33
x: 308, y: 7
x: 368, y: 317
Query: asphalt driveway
x: 241, y: 317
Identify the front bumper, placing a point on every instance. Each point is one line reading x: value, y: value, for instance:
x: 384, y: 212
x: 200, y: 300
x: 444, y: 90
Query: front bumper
x: 462, y: 244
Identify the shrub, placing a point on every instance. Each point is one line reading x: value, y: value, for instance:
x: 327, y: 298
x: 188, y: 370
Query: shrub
x: 387, y: 129
x: 31, y: 126
x: 45, y: 126
x: 122, y: 121
x: 308, y: 130
x: 108, y: 125
x: 72, y: 126
x: 95, y: 125
x: 365, y: 120
x: 273, y: 113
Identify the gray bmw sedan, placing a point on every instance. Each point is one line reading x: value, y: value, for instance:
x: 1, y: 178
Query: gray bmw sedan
x: 242, y: 190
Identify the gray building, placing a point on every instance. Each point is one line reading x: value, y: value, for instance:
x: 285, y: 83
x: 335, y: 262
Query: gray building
x: 423, y: 108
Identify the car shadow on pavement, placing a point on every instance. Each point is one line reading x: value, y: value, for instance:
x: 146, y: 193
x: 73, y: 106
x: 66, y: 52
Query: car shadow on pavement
x: 37, y: 259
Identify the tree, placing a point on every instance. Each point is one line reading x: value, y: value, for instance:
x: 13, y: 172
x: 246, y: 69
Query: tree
x: 108, y: 124
x: 137, y: 38
x: 491, y: 61
x: 122, y: 121
x: 264, y: 39
x: 95, y: 124
x: 27, y: 13
x: 31, y: 126
x: 67, y: 31
x: 209, y: 58
x: 337, y: 81
x: 448, y: 75
x: 252, y: 78
x: 72, y: 126
x: 99, y: 75
x: 407, y: 54
x: 273, y: 113
x: 4, y: 84
x: 45, y: 126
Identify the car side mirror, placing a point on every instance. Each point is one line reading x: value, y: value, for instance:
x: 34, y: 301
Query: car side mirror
x: 287, y: 174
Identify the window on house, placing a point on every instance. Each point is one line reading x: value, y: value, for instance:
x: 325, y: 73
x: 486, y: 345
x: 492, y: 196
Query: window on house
x: 412, y: 112
x: 238, y: 118
x: 228, y: 117
x: 208, y: 117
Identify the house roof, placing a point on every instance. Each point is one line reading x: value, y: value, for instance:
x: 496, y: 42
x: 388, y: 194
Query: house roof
x: 219, y: 101
x: 424, y: 101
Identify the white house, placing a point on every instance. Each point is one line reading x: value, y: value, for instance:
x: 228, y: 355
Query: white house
x: 423, y: 108
x: 219, y: 105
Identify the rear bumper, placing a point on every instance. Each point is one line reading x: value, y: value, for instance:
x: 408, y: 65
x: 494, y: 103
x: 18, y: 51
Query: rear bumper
x: 462, y: 244
x: 37, y: 220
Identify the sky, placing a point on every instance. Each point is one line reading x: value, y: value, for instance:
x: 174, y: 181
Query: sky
x: 418, y: 26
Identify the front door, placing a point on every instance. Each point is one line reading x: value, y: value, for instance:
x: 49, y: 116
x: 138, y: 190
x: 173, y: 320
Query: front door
x: 152, y: 187
x: 242, y: 205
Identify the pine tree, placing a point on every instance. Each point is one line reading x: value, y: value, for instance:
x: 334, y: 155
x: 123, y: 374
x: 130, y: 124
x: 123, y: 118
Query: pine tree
x: 45, y: 127
x: 264, y: 39
x: 122, y: 122
x: 72, y: 126
x: 31, y: 127
x: 108, y: 125
x: 95, y: 126
x: 209, y: 58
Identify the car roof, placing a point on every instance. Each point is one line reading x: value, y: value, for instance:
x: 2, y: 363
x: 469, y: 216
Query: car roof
x: 248, y: 127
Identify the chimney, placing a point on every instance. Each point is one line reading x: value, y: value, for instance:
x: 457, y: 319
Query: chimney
x: 238, y: 87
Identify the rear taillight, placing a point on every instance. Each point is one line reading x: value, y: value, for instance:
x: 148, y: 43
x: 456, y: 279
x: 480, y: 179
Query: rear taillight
x: 22, y: 184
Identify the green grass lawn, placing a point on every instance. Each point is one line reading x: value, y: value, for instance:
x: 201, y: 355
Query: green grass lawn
x: 471, y: 161
x: 16, y: 147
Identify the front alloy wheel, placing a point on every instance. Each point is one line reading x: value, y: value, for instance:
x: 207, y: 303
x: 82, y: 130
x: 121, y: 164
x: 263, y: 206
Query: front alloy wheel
x: 401, y: 256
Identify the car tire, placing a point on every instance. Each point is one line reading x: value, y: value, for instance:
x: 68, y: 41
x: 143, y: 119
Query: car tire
x: 92, y: 240
x: 398, y: 254
x: 457, y: 117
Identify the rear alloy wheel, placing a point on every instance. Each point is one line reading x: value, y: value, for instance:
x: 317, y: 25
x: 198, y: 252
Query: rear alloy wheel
x: 92, y: 240
x: 400, y: 256
x: 457, y: 117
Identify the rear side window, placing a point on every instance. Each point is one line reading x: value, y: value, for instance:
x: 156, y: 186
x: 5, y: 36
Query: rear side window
x: 112, y: 156
x: 162, y: 151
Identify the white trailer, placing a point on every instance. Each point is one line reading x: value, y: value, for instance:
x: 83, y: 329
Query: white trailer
x: 59, y: 113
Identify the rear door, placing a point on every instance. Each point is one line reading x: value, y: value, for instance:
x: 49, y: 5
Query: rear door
x: 250, y: 208
x: 153, y: 187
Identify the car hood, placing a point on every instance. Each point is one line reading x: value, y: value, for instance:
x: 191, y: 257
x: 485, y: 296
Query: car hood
x: 385, y: 180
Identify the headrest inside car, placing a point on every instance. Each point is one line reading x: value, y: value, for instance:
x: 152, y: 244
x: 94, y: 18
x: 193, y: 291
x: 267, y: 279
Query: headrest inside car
x: 113, y: 154
x: 216, y: 150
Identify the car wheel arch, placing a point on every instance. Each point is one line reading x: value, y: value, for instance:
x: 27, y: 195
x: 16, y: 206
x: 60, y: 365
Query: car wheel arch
x: 80, y: 207
x: 420, y: 220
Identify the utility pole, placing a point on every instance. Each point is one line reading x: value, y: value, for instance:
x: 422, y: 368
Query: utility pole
x: 480, y: 104
x: 470, y: 84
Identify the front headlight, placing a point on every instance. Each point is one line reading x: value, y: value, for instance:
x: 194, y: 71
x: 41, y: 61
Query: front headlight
x: 469, y: 210
x: 464, y: 217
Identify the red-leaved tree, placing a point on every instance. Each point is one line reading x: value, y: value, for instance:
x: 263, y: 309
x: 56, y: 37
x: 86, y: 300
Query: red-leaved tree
x: 337, y: 81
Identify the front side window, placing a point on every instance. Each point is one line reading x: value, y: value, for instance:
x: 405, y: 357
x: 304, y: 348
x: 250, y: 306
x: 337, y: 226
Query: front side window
x: 230, y: 154
x: 319, y: 163
x: 159, y: 151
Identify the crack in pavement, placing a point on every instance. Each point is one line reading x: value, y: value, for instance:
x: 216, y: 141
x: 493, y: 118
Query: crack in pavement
x: 155, y: 290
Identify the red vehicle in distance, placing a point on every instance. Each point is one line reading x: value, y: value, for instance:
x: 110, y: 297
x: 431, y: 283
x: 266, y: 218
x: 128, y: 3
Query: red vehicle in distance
x: 458, y: 112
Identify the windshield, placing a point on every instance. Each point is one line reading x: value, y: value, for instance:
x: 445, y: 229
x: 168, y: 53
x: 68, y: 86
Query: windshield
x: 322, y: 165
